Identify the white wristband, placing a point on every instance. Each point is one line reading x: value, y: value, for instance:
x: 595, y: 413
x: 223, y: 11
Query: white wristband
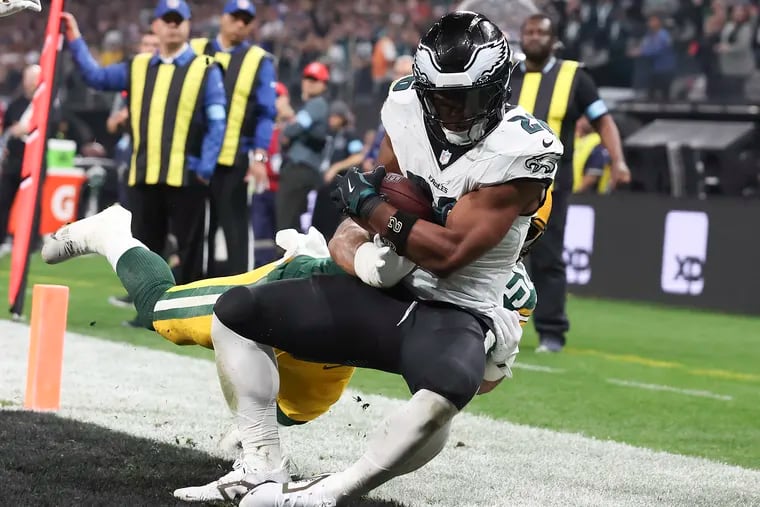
x: 365, y: 264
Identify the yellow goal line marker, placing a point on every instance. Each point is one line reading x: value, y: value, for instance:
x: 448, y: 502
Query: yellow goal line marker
x: 654, y: 363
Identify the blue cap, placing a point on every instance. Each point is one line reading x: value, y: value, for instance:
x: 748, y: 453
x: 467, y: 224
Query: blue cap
x: 234, y: 6
x: 164, y: 7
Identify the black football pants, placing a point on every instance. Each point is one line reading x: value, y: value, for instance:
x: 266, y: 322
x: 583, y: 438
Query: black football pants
x: 338, y: 319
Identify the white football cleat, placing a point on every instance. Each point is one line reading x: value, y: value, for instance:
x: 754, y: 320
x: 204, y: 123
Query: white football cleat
x: 233, y: 485
x: 89, y: 235
x: 9, y: 7
x: 306, y: 493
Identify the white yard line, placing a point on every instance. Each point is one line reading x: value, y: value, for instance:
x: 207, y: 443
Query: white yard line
x: 670, y: 389
x: 486, y: 463
x: 536, y: 367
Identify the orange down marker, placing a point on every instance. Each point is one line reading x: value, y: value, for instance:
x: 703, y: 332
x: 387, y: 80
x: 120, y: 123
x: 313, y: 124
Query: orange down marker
x: 43, y: 382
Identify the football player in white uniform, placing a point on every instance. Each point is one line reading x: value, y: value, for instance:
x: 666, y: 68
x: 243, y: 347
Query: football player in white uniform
x: 488, y: 166
x: 8, y: 7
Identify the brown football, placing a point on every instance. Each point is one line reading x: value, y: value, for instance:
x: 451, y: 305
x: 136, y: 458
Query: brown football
x: 406, y: 196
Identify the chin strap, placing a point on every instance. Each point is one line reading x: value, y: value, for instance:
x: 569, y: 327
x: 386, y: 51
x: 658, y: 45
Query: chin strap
x: 473, y: 135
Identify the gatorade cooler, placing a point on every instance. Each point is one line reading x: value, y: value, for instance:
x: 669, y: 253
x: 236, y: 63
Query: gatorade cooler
x: 61, y: 190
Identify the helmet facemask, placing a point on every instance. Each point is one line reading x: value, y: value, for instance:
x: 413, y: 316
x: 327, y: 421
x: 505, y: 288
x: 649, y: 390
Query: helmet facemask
x: 463, y: 115
x: 462, y: 69
x: 535, y: 231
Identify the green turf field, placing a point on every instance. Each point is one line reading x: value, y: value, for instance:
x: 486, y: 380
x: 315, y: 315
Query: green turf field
x: 678, y: 380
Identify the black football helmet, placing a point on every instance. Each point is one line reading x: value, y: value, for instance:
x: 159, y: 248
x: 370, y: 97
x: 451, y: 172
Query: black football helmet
x: 462, y: 69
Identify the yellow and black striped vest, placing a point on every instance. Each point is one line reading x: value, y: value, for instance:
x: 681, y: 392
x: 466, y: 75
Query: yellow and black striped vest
x: 240, y: 71
x: 163, y: 107
x: 546, y: 96
x: 584, y: 146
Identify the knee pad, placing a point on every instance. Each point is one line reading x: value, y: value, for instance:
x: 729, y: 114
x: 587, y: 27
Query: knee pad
x: 457, y: 379
x: 236, y: 307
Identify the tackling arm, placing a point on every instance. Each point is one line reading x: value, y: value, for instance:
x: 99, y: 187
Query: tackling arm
x: 347, y: 239
x: 372, y: 262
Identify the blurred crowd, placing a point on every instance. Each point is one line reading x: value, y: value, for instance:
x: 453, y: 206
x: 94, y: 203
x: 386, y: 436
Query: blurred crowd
x: 668, y: 49
x: 695, y: 50
x: 663, y: 49
x: 358, y: 40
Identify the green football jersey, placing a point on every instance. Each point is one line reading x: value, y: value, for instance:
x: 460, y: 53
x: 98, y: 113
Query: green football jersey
x: 520, y: 294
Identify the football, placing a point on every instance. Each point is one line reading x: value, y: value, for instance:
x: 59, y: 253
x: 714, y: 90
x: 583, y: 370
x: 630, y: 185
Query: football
x: 402, y: 193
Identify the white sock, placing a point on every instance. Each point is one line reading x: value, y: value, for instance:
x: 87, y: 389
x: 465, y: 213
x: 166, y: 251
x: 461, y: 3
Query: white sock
x: 114, y: 248
x: 405, y: 441
x: 250, y: 382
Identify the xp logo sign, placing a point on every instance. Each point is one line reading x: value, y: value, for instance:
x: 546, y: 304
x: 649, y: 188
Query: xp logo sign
x: 579, y: 244
x: 684, y: 253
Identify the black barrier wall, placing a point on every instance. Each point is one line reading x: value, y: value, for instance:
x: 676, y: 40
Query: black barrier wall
x: 702, y: 254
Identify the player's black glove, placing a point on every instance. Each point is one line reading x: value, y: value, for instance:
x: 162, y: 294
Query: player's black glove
x: 357, y: 194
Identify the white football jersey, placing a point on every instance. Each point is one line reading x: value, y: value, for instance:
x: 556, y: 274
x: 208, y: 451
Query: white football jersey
x: 520, y: 147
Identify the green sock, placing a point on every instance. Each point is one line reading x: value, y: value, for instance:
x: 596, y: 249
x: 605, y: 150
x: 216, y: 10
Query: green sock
x: 146, y: 276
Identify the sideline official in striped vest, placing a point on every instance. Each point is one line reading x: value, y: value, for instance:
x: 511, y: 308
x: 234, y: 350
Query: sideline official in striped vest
x: 249, y: 82
x: 558, y: 92
x: 177, y: 111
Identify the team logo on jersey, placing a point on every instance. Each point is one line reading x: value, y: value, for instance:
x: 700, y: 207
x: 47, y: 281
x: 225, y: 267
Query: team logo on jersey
x: 544, y: 163
x: 685, y: 252
x: 440, y: 186
x: 579, y: 244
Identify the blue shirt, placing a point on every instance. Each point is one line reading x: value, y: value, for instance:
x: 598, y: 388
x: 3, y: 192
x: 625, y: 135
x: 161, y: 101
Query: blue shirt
x: 597, y: 161
x: 266, y: 112
x: 115, y: 78
x: 658, y: 47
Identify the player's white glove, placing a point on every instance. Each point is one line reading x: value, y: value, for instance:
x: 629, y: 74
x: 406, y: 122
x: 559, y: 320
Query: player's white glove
x: 502, y: 344
x: 377, y: 265
x: 295, y: 243
x: 8, y: 7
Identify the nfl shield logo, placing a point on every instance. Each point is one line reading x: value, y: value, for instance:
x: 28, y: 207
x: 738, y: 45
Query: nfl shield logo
x: 445, y: 157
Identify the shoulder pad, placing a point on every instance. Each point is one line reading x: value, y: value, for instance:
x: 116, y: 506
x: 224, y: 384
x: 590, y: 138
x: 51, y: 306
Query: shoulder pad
x: 520, y: 132
x: 521, y: 147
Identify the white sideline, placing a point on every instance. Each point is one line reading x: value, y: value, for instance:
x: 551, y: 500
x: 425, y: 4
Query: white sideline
x: 486, y: 463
